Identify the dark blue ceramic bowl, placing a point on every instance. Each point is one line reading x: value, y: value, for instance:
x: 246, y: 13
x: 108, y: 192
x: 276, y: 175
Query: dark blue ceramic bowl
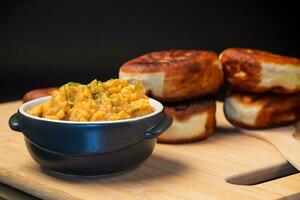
x: 90, y: 148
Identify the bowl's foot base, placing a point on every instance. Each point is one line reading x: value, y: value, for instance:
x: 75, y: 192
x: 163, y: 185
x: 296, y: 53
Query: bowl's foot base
x: 69, y: 174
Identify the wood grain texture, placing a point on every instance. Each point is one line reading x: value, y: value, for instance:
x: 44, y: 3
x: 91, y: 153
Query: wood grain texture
x: 189, y: 171
x: 283, y: 140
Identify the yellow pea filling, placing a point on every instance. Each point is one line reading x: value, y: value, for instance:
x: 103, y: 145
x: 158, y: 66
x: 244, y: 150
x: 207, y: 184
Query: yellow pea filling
x: 97, y: 101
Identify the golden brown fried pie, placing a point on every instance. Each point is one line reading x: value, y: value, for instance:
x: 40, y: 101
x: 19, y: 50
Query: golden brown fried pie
x: 176, y: 75
x: 37, y: 93
x: 267, y: 110
x: 258, y: 71
x: 192, y: 121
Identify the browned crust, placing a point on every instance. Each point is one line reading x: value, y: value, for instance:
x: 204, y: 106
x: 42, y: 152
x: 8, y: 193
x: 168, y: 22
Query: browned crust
x: 37, y: 93
x: 249, y: 61
x: 168, y: 61
x: 183, y: 111
x: 188, y: 73
x: 260, y: 56
x: 277, y: 110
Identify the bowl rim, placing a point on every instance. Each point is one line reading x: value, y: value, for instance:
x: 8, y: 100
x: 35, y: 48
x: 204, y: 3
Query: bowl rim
x: 154, y: 103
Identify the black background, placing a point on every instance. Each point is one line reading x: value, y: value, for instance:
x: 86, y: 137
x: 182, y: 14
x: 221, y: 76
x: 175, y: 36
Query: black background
x: 48, y: 43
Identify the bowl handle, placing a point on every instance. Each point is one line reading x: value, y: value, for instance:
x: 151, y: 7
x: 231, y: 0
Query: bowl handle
x: 14, y: 123
x: 159, y: 128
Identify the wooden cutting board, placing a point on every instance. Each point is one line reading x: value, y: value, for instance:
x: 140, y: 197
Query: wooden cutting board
x: 200, y: 170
